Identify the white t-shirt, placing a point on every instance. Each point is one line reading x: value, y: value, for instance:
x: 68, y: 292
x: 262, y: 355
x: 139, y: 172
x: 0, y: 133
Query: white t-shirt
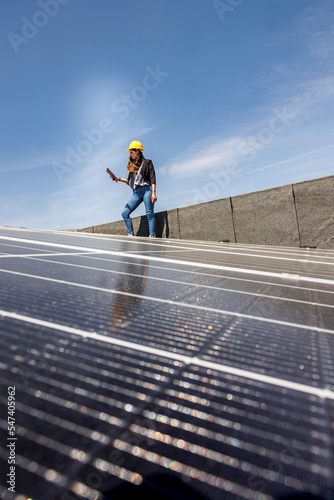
x: 136, y: 180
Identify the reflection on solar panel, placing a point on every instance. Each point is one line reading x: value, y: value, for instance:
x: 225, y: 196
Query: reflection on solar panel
x: 176, y: 369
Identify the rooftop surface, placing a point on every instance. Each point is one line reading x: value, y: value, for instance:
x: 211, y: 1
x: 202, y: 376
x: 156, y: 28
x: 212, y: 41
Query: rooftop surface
x: 164, y: 366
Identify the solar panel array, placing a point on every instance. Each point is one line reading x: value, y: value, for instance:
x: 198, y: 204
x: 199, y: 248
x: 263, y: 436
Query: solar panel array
x: 172, y: 368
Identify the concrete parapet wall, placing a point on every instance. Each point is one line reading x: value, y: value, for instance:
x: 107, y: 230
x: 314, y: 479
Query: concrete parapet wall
x: 295, y: 215
x: 207, y: 221
x: 314, y: 201
x: 267, y: 216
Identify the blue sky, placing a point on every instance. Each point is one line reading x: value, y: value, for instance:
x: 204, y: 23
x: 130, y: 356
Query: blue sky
x: 227, y: 97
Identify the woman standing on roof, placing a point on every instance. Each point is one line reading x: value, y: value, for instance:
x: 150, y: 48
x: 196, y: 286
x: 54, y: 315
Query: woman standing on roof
x: 141, y: 179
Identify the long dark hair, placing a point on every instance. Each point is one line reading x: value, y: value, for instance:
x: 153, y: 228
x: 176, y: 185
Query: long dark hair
x: 134, y: 165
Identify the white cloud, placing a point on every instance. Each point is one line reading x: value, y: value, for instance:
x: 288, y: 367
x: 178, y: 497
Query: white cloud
x: 302, y: 107
x: 205, y: 155
x: 289, y: 160
x: 31, y: 164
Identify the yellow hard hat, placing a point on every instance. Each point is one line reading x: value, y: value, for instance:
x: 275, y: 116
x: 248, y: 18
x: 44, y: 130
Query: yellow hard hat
x: 136, y: 145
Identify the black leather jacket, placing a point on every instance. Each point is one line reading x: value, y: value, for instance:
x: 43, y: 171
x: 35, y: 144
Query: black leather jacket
x: 147, y: 172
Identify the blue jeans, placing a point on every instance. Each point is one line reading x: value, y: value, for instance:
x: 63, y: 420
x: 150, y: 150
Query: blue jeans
x: 140, y: 194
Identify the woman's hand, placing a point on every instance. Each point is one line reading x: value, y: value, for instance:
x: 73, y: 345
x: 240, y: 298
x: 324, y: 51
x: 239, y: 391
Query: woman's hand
x: 154, y: 194
x: 112, y: 176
